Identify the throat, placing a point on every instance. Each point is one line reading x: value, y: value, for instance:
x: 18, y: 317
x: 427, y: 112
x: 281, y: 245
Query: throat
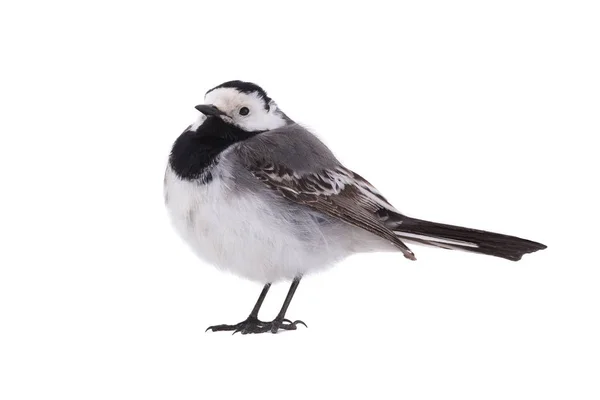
x: 195, y: 153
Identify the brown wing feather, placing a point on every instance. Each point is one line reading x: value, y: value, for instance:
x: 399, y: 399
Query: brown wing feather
x: 329, y: 193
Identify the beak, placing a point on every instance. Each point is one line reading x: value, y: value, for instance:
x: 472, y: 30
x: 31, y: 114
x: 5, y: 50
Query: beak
x: 209, y: 109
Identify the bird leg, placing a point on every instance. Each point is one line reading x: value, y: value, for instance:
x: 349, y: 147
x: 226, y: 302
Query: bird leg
x: 251, y: 323
x: 280, y: 322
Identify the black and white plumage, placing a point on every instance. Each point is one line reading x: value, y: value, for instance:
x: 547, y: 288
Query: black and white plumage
x: 260, y: 196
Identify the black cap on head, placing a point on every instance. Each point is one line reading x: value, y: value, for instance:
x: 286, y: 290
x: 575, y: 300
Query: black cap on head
x: 245, y: 87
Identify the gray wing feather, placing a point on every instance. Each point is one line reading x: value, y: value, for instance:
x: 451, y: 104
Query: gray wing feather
x: 295, y: 163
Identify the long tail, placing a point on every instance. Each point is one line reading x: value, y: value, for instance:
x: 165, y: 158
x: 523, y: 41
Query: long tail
x: 456, y: 237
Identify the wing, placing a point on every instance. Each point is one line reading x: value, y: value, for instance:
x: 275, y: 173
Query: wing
x: 333, y: 190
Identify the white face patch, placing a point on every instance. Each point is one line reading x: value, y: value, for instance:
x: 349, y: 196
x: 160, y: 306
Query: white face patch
x: 259, y: 118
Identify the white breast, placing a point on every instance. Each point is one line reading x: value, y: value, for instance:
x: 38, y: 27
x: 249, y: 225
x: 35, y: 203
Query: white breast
x: 245, y: 235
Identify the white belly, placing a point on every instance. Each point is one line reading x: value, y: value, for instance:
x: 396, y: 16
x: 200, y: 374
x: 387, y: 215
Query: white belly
x: 244, y: 235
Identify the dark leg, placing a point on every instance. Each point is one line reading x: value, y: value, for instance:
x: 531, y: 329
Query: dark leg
x: 280, y: 322
x: 251, y: 322
x: 260, y: 300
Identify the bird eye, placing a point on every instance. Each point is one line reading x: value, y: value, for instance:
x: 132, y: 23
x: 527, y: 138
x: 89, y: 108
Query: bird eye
x: 244, y: 111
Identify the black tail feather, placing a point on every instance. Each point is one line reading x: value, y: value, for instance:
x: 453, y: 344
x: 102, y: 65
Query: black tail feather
x: 456, y: 237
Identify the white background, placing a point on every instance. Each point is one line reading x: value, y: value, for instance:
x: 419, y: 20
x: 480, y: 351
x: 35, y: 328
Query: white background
x: 466, y: 112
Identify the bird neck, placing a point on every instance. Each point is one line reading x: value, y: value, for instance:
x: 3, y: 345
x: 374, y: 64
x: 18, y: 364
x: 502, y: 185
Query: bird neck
x: 195, y: 152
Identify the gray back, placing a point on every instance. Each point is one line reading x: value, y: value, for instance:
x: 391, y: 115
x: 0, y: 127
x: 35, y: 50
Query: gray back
x: 292, y: 146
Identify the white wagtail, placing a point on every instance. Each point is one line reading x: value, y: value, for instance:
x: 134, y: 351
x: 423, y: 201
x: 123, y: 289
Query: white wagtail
x: 254, y: 193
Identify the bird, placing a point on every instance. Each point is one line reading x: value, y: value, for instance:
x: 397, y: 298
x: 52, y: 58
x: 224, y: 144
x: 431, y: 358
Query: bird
x: 258, y: 195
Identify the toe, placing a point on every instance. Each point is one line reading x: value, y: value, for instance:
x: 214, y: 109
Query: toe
x: 216, y: 328
x: 296, y: 322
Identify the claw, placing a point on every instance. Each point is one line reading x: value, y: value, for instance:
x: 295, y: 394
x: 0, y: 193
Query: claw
x: 294, y: 322
x: 300, y: 322
x: 285, y: 324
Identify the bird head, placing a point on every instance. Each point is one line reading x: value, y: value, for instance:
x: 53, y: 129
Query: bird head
x: 243, y: 104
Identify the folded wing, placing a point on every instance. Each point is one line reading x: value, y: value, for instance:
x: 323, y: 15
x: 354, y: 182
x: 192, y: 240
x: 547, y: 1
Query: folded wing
x: 322, y: 183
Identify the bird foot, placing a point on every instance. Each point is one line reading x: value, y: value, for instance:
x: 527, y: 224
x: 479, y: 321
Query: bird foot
x: 243, y: 326
x: 274, y: 326
x: 254, y: 325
